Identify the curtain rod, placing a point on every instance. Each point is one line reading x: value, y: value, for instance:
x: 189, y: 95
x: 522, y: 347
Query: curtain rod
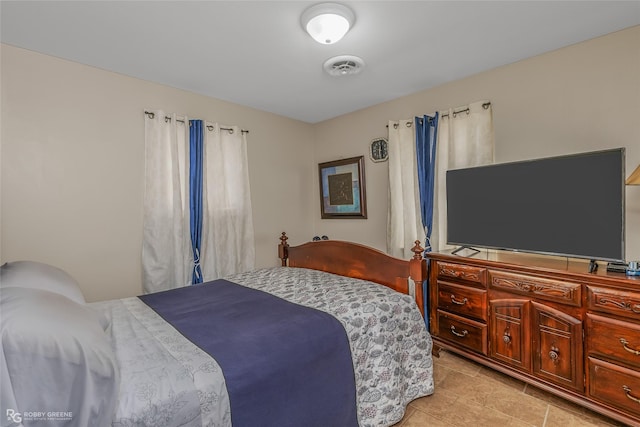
x: 209, y: 127
x: 464, y: 110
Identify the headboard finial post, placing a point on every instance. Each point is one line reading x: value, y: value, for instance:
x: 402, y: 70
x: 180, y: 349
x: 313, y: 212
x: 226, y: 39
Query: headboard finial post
x: 283, y: 249
x: 417, y: 250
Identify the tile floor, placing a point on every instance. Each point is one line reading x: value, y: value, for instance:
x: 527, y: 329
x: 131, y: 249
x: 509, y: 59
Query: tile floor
x: 468, y: 394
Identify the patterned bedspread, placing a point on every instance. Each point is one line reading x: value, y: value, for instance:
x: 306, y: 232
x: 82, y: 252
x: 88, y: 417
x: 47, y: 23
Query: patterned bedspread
x: 167, y: 381
x: 389, y: 342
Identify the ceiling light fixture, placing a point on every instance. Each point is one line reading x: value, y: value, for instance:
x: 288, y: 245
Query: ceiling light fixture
x: 327, y: 22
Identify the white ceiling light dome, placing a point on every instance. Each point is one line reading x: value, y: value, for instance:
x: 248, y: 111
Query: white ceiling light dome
x: 327, y: 23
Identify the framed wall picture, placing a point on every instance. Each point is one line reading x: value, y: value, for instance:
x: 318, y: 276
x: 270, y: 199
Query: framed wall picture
x: 342, y: 188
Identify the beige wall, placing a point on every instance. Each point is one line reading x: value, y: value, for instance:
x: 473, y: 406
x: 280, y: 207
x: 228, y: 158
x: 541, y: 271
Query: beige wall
x: 581, y: 98
x: 72, y: 168
x: 72, y: 151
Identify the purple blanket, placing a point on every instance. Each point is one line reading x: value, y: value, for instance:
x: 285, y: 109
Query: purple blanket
x: 284, y: 364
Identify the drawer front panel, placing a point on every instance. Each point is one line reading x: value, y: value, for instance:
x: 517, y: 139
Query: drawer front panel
x: 622, y: 303
x: 613, y: 339
x: 464, y: 332
x: 615, y: 385
x: 535, y: 287
x: 467, y: 273
x: 462, y: 300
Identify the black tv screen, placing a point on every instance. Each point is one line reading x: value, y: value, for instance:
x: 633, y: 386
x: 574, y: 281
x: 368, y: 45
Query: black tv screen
x: 570, y: 205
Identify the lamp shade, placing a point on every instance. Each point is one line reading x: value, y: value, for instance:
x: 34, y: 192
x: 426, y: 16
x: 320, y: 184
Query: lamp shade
x: 327, y: 22
x: 634, y: 178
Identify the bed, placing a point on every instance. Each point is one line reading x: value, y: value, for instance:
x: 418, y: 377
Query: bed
x: 316, y: 341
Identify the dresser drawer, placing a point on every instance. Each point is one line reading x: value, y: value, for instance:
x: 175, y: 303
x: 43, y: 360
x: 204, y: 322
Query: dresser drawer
x: 464, y: 332
x: 615, y: 385
x: 568, y: 293
x: 614, y: 339
x: 622, y: 303
x: 470, y: 274
x: 462, y: 300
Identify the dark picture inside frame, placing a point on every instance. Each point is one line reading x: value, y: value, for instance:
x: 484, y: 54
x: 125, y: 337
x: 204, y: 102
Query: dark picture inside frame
x: 342, y: 188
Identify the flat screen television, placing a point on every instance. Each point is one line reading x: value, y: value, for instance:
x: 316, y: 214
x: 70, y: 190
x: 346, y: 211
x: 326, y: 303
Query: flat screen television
x: 569, y: 205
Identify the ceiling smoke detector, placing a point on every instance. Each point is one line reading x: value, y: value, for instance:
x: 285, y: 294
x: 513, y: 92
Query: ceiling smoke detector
x: 343, y: 65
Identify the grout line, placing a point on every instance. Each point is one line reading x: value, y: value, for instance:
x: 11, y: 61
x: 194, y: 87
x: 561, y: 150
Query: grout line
x: 546, y: 415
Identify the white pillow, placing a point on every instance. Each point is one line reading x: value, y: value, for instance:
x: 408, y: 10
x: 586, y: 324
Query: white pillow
x: 31, y: 274
x: 55, y: 358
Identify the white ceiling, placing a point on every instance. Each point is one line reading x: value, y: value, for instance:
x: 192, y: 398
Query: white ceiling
x: 256, y: 54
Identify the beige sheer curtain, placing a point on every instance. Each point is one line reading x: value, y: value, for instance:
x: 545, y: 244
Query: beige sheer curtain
x: 404, y: 224
x: 166, y: 244
x: 465, y: 139
x: 227, y: 244
x: 227, y: 236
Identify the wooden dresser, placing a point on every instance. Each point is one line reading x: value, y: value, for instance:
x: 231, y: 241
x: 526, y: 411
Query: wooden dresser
x: 543, y: 320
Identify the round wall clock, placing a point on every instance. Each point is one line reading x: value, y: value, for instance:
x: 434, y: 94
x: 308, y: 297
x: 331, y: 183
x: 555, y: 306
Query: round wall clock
x: 379, y: 150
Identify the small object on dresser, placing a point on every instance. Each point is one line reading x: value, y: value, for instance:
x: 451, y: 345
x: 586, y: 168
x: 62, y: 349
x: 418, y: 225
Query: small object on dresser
x: 617, y: 267
x: 634, y: 268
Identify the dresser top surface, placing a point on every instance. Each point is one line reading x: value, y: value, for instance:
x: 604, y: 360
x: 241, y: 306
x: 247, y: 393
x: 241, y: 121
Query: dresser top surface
x: 576, y: 269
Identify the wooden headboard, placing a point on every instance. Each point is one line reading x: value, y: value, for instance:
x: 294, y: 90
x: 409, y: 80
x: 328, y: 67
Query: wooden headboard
x: 359, y: 261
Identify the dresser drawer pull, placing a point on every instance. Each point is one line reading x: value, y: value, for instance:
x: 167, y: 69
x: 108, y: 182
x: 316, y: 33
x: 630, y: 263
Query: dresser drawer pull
x: 629, y: 349
x: 462, y: 334
x: 506, y: 338
x: 458, y: 302
x: 627, y: 392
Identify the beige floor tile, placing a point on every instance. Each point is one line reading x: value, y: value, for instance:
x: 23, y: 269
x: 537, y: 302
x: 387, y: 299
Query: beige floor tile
x: 518, y: 423
x: 440, y: 372
x: 505, y: 379
x: 570, y: 407
x: 488, y: 393
x: 468, y: 394
x: 457, y: 363
x: 558, y: 417
x: 421, y: 419
x: 461, y: 413
x: 553, y: 399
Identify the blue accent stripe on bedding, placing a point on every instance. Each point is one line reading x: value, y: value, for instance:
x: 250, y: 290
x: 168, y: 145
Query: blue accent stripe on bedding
x: 284, y: 364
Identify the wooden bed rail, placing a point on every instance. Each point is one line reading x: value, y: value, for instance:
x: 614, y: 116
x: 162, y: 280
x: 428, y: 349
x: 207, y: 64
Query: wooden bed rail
x: 359, y: 261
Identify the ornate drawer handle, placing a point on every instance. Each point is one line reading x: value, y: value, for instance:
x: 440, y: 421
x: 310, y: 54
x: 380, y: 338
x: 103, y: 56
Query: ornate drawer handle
x: 506, y: 338
x: 629, y: 349
x: 636, y: 308
x: 554, y: 354
x: 458, y: 302
x: 627, y: 392
x: 462, y: 334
